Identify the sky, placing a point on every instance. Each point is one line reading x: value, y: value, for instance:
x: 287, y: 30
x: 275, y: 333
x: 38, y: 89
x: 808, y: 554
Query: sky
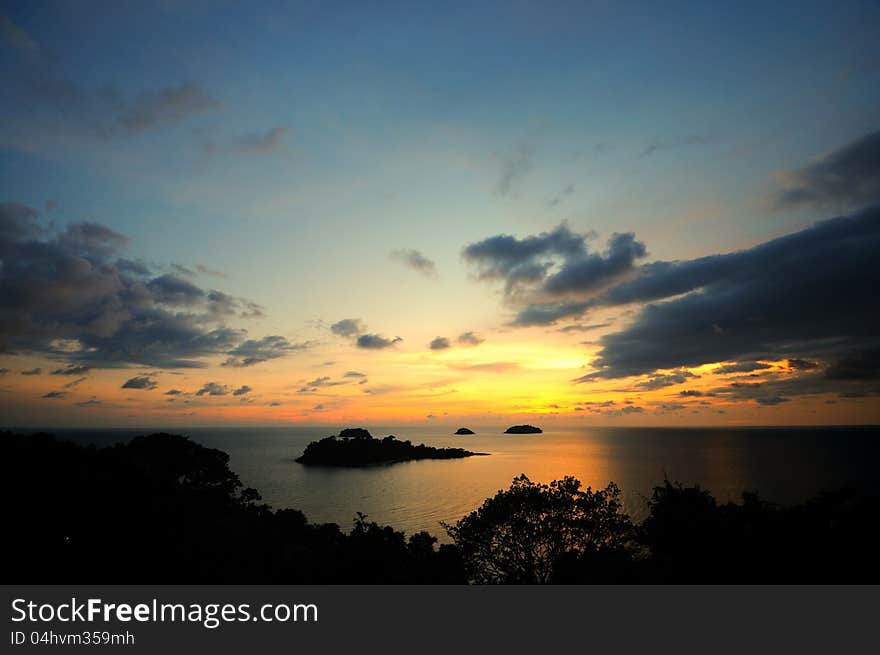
x: 564, y: 213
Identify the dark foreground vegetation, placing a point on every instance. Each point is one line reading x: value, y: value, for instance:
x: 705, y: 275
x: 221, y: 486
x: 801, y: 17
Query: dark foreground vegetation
x: 357, y: 447
x: 162, y: 509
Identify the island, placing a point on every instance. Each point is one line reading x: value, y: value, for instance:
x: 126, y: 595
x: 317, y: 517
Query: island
x: 357, y: 447
x: 523, y: 429
x: 464, y: 431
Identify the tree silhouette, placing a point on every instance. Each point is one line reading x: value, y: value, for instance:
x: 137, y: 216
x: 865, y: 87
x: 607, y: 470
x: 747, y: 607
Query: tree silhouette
x: 520, y: 535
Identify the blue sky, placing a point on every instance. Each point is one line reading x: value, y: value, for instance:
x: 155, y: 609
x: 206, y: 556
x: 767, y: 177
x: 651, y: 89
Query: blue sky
x: 293, y: 146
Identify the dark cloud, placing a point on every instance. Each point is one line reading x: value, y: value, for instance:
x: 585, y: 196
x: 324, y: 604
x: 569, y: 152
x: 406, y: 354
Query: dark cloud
x: 73, y: 286
x: 804, y: 292
x: 741, y: 367
x: 172, y: 290
x: 439, y: 343
x: 348, y: 327
x: 88, y: 403
x: 72, y: 369
x: 242, y: 390
x: 416, y: 261
x: 173, y: 392
x: 802, y: 364
x: 140, y: 382
x: 669, y: 380
x: 354, y: 374
x: 553, y: 274
x: 130, y: 267
x: 846, y: 177
x: 3, y: 371
x: 863, y: 365
x: 213, y: 389
x: 256, y: 351
x: 582, y: 328
x: 323, y: 381
x: 74, y: 383
x: 56, y: 395
x: 470, y: 339
x: 375, y: 341
x: 33, y: 371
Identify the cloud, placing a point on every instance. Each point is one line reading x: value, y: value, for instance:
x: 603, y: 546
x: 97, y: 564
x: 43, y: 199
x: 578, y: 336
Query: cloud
x: 3, y: 371
x: 56, y: 395
x: 242, y: 390
x: 172, y: 290
x: 72, y: 369
x: 213, y: 389
x: 514, y: 166
x: 416, y: 261
x: 741, y: 367
x: 173, y: 392
x: 801, y: 295
x: 375, y: 341
x: 859, y: 365
x: 33, y: 371
x: 140, y: 382
x: 348, y: 327
x: 257, y: 351
x: 439, y: 343
x: 89, y: 403
x: 354, y: 374
x: 558, y: 198
x: 470, y: 339
x: 72, y: 286
x: 582, y: 328
x: 671, y: 379
x: 846, y: 177
x: 802, y: 364
x: 323, y: 381
x: 553, y: 275
x: 168, y: 105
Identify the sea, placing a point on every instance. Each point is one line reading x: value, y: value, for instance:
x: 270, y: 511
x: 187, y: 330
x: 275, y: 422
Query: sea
x: 784, y: 465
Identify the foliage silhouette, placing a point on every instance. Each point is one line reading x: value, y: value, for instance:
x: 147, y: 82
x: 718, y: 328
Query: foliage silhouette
x: 163, y: 509
x: 521, y: 534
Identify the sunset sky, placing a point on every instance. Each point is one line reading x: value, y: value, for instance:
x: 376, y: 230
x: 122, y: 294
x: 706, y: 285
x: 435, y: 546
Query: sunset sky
x: 569, y: 214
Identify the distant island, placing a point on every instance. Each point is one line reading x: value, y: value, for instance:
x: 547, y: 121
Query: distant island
x: 464, y: 431
x: 357, y: 447
x: 523, y: 429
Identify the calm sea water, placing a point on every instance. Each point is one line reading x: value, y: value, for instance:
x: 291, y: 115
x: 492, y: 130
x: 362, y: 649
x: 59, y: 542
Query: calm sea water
x: 785, y: 465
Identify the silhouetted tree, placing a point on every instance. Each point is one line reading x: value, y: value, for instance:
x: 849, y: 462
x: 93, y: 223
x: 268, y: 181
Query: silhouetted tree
x: 520, y: 535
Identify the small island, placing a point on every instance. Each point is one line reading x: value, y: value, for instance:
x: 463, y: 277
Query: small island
x: 357, y: 447
x: 523, y: 429
x: 464, y: 431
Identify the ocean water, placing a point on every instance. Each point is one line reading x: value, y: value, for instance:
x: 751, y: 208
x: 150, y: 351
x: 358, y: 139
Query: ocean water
x: 785, y: 465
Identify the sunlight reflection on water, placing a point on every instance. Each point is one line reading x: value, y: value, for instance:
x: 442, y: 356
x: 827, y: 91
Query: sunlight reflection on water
x: 785, y: 465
